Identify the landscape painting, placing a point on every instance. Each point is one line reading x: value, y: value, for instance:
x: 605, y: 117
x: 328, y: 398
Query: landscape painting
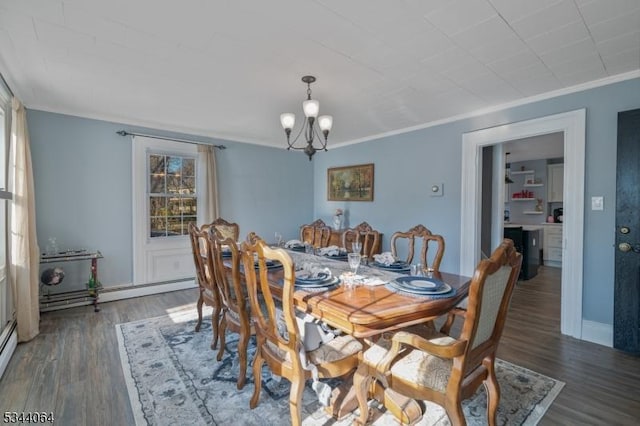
x: 350, y: 183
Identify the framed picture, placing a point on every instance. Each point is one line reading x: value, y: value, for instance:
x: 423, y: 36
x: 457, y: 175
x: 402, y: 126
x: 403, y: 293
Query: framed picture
x: 350, y: 183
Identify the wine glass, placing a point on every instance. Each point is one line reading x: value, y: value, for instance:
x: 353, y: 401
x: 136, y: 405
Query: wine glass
x: 354, y: 262
x: 356, y: 246
x: 278, y: 239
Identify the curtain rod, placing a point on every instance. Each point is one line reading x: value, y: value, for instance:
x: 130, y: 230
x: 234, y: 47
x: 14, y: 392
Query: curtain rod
x: 125, y: 133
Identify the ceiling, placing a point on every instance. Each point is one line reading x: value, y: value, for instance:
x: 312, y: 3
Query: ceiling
x: 535, y: 148
x: 229, y: 68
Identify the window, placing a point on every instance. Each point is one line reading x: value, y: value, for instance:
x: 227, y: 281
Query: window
x: 172, y: 194
x: 167, y: 196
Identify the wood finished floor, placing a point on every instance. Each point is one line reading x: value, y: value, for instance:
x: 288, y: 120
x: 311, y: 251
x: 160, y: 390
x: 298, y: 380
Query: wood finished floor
x: 73, y: 367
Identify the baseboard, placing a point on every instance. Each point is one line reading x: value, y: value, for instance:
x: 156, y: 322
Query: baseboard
x: 144, y: 290
x: 597, y: 332
x: 128, y: 291
x: 7, y: 351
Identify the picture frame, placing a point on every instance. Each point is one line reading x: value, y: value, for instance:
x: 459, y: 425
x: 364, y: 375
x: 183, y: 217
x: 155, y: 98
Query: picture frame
x: 350, y: 183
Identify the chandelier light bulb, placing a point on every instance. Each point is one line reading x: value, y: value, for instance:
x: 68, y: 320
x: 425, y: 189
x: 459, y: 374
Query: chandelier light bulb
x: 311, y: 108
x: 325, y: 122
x: 288, y: 120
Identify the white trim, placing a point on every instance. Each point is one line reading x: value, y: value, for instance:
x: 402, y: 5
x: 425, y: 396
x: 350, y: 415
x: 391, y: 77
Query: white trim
x: 6, y: 354
x: 597, y: 332
x: 573, y: 125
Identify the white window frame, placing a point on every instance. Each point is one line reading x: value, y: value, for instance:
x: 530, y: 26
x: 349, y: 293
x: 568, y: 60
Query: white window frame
x: 8, y: 334
x: 160, y: 259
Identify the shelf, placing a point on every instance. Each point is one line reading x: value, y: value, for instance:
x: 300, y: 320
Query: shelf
x: 523, y: 172
x: 531, y: 212
x: 532, y: 185
x: 523, y: 199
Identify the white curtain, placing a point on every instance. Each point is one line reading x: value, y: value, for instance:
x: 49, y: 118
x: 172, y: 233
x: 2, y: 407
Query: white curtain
x: 25, y: 254
x: 211, y: 211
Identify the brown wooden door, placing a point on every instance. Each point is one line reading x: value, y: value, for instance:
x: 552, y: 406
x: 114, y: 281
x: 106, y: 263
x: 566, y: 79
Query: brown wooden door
x: 626, y: 325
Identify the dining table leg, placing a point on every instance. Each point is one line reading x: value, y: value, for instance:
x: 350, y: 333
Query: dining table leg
x: 406, y: 410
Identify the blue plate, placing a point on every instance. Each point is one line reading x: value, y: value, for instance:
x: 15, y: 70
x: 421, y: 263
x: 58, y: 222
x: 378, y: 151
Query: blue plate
x: 396, y: 266
x: 321, y: 277
x: 271, y: 264
x: 340, y: 256
x: 421, y: 285
x: 326, y: 283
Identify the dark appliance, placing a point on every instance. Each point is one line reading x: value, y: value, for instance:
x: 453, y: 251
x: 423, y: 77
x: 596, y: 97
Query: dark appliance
x: 557, y: 215
x: 527, y: 243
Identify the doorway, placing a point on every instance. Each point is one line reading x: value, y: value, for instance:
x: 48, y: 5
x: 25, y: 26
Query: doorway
x: 572, y: 124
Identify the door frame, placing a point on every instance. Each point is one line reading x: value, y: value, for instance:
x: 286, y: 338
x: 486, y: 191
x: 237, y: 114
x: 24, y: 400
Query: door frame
x: 572, y: 123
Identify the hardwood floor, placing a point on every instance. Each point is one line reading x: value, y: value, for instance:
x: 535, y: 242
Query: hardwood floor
x: 73, y: 367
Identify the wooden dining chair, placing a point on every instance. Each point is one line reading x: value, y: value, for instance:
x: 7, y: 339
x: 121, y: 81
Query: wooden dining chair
x: 441, y: 368
x: 208, y: 289
x: 282, y: 347
x: 226, y: 229
x: 317, y: 234
x: 236, y: 315
x: 421, y: 235
x: 366, y: 235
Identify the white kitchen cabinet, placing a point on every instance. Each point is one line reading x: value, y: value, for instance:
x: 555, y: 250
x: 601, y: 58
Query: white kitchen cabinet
x: 552, y: 245
x: 555, y: 182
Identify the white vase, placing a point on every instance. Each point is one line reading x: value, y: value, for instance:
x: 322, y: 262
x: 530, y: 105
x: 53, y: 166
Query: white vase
x: 337, y: 222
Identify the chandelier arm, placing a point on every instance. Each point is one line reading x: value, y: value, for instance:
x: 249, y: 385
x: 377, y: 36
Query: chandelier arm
x: 291, y: 144
x: 321, y: 138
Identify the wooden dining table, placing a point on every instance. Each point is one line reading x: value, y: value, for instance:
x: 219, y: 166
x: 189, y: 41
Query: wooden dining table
x: 364, y: 311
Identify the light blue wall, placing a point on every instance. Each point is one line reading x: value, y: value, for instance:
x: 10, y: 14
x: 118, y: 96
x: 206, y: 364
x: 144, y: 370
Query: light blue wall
x: 406, y: 165
x: 82, y: 173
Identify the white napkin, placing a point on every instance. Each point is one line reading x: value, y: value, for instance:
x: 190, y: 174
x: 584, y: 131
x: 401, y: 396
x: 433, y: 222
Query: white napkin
x: 293, y: 243
x: 329, y: 251
x: 374, y: 281
x: 385, y: 258
x: 309, y: 271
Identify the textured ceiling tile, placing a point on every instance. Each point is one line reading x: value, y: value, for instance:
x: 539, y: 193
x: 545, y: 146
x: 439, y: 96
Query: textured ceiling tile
x: 513, y: 10
x: 582, y: 76
x: 603, y: 10
x: 590, y: 61
x: 565, y: 53
x: 553, y: 17
x: 626, y: 61
x: 614, y: 27
x: 619, y: 44
x: 491, y: 31
x: 516, y: 62
x: 504, y: 48
x: 559, y: 37
x: 459, y: 15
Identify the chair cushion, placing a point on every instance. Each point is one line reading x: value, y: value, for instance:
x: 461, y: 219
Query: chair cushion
x: 414, y: 365
x: 339, y: 348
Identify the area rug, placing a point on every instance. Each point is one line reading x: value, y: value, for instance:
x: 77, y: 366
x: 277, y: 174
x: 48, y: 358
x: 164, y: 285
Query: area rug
x: 173, y: 378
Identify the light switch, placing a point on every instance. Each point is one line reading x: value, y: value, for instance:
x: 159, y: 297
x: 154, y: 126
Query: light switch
x: 437, y: 189
x: 597, y: 203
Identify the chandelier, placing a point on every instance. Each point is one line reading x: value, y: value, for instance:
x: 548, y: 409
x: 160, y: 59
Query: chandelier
x: 309, y: 128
